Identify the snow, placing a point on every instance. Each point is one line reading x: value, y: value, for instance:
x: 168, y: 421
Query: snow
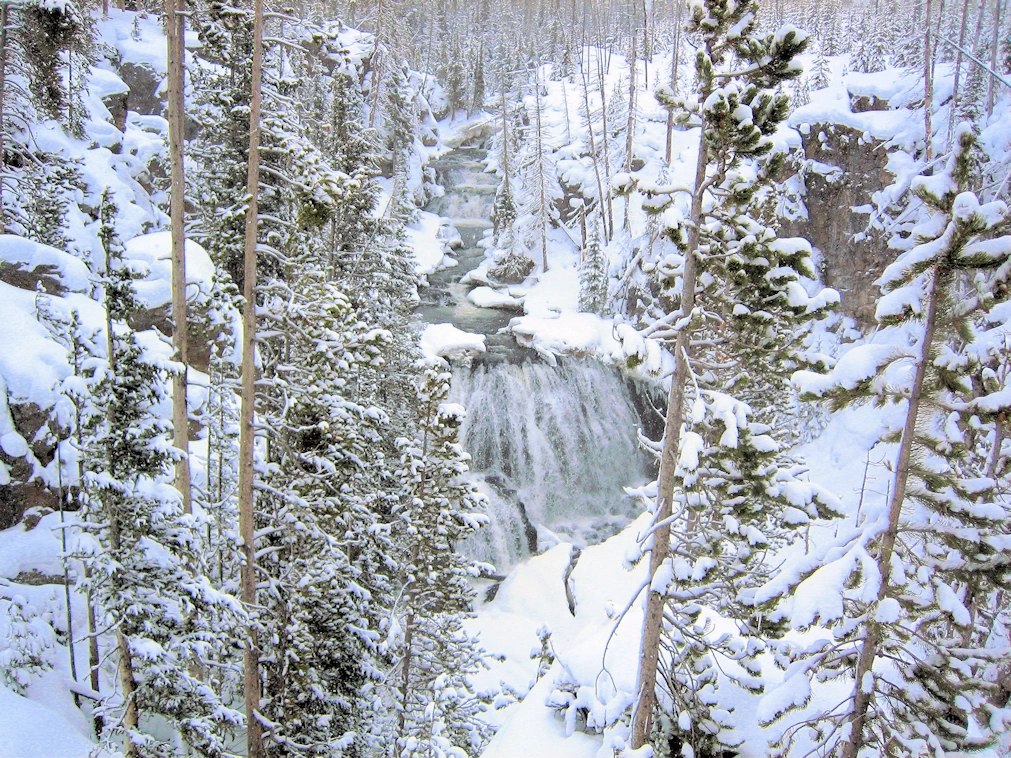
x: 430, y: 238
x: 154, y: 253
x: 28, y: 729
x: 486, y: 297
x: 33, y: 256
x: 446, y: 341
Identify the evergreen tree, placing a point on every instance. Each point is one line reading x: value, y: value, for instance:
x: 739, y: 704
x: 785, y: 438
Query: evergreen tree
x: 593, y: 278
x: 438, y: 707
x: 709, y: 441
x: 29, y: 647
x: 140, y: 547
x: 822, y: 72
x: 327, y: 553
x: 907, y: 638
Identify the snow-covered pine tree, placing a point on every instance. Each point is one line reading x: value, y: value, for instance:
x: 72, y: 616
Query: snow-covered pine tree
x: 29, y: 648
x: 593, y: 278
x: 139, y: 547
x: 822, y: 73
x: 709, y: 441
x: 438, y: 707
x: 917, y: 660
x: 322, y: 548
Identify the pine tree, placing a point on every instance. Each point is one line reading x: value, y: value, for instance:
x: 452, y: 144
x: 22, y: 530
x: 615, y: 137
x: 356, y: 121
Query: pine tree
x: 325, y: 552
x: 593, y: 278
x: 141, y: 547
x: 737, y: 111
x: 905, y: 640
x: 822, y: 72
x: 438, y: 708
x: 29, y: 648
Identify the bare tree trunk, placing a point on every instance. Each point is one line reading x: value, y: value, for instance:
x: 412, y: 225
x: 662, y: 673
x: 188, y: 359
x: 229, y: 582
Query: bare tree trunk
x: 247, y: 432
x: 565, y: 104
x: 630, y: 129
x: 582, y: 230
x: 128, y: 687
x: 869, y: 650
x: 4, y: 10
x: 606, y: 199
x: 66, y: 571
x: 505, y: 141
x: 376, y: 68
x: 593, y: 143
x: 642, y: 719
x: 541, y: 173
x: 994, y: 44
x: 175, y: 23
x: 958, y: 74
x: 674, y: 78
x: 928, y: 83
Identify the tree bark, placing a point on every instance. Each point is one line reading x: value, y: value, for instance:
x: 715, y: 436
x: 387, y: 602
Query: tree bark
x: 175, y: 23
x: 4, y: 10
x: 994, y: 43
x: 673, y: 79
x: 129, y: 688
x: 607, y: 150
x: 869, y: 650
x: 630, y: 127
x: 405, y: 680
x: 247, y: 432
x: 958, y: 74
x: 541, y: 173
x: 642, y: 720
x: 928, y: 84
x: 593, y: 144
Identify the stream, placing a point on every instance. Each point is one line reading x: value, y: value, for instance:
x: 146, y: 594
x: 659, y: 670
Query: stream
x: 552, y: 446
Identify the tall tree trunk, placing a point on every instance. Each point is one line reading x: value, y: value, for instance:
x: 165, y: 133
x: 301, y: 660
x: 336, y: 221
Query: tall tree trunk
x: 128, y: 690
x: 175, y: 23
x: 66, y: 571
x: 630, y: 127
x: 4, y: 11
x: 542, y: 178
x: 642, y: 720
x: 505, y: 141
x: 994, y: 44
x: 928, y: 84
x: 606, y: 199
x: 872, y: 638
x: 376, y: 67
x: 593, y: 143
x: 958, y: 74
x: 247, y: 432
x: 673, y: 78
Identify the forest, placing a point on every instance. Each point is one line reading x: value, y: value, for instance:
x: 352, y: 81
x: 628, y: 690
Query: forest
x: 538, y: 379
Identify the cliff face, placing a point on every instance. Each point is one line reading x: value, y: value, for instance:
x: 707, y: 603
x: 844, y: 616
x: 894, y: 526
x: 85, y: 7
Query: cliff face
x: 841, y: 169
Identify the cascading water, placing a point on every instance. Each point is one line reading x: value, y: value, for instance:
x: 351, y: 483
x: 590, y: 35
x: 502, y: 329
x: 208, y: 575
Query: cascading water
x: 552, y: 446
x: 557, y: 444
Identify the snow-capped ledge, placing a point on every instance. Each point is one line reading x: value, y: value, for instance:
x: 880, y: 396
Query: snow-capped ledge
x: 448, y: 342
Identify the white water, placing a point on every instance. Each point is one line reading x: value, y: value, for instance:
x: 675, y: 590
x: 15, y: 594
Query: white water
x: 560, y: 440
x: 552, y: 447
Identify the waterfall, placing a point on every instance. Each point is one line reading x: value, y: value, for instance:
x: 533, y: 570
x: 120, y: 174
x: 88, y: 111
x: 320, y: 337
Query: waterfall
x: 552, y: 447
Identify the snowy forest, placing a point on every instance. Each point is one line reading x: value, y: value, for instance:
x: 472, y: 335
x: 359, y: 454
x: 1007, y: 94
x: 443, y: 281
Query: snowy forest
x: 532, y: 379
